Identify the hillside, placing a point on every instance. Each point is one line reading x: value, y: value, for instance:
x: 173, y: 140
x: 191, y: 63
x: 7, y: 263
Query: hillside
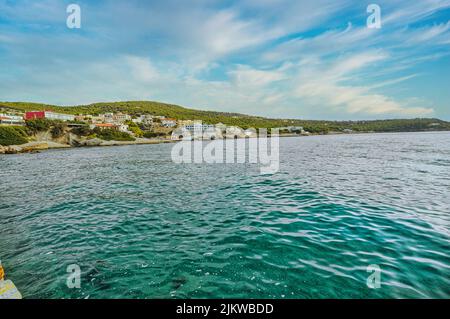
x: 241, y: 120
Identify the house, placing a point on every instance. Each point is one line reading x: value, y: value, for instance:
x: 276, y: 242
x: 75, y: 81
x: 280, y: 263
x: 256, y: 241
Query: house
x: 182, y: 123
x: 103, y: 126
x: 198, y: 127
x: 123, y: 128
x: 144, y: 119
x: 197, y: 131
x: 7, y: 119
x: 121, y: 118
x: 84, y: 118
x: 48, y: 115
x: 97, y: 119
x: 34, y: 115
x: 166, y: 122
x: 108, y: 118
x: 58, y: 116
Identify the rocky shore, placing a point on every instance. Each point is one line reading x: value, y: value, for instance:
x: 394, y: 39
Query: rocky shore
x: 38, y: 146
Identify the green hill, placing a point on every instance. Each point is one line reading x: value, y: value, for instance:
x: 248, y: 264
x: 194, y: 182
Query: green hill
x: 241, y: 120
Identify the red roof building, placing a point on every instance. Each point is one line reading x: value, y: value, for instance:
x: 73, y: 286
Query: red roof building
x: 34, y: 115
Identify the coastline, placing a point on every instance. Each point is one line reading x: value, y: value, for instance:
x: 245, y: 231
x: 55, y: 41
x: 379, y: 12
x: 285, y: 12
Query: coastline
x: 38, y: 146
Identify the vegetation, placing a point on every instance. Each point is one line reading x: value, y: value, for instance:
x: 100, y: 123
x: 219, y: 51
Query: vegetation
x: 82, y: 131
x: 153, y: 134
x: 244, y: 121
x: 58, y: 130
x: 133, y: 127
x: 13, y: 135
x: 112, y: 135
x: 38, y: 125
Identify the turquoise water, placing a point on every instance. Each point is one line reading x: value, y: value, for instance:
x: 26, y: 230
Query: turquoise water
x: 140, y: 226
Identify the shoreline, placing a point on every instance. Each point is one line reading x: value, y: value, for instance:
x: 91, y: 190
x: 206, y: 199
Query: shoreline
x: 38, y: 146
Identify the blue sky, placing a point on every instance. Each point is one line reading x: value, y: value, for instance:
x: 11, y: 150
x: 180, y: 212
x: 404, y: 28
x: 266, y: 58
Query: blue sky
x: 278, y: 58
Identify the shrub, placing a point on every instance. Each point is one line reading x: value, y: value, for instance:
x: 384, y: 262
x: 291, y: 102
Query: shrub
x: 113, y: 135
x: 136, y: 131
x: 12, y: 135
x: 153, y: 134
x: 82, y: 131
x: 58, y: 130
x: 38, y: 125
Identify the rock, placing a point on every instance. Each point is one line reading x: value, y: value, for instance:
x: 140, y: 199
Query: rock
x: 2, y: 149
x: 93, y: 142
x: 34, y: 147
x: 13, y: 149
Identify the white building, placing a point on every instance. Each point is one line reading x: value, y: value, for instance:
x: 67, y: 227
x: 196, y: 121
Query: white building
x: 121, y: 118
x: 168, y: 122
x: 144, y: 119
x: 197, y: 131
x: 199, y: 126
x: 59, y: 116
x: 123, y: 128
x: 11, y: 119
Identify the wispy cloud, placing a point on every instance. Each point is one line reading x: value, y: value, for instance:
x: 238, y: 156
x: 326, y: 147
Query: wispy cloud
x: 269, y: 57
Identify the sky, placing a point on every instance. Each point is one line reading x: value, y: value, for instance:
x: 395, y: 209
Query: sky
x: 277, y: 58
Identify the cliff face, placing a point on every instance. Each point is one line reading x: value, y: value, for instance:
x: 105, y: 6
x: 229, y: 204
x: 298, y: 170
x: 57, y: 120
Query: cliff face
x: 47, y: 137
x: 37, y: 142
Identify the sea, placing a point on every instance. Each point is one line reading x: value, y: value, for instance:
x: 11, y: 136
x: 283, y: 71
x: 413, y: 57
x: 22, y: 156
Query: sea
x: 346, y: 216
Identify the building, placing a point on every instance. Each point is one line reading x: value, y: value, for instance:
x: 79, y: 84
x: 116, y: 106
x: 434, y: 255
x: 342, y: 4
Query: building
x: 58, y: 116
x: 48, y: 115
x: 34, y: 115
x: 144, y: 119
x: 123, y: 128
x: 97, y: 119
x: 199, y: 126
x: 83, y: 118
x: 182, y: 123
x: 7, y: 119
x: 121, y: 118
x: 166, y: 122
x: 108, y: 118
x: 103, y: 126
x: 197, y: 130
x: 291, y: 129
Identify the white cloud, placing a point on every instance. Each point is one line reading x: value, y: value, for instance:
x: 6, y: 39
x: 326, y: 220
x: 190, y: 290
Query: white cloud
x: 234, y: 56
x: 325, y: 86
x: 245, y: 76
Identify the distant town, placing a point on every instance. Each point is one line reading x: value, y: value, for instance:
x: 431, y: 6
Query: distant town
x: 29, y: 127
x: 138, y: 126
